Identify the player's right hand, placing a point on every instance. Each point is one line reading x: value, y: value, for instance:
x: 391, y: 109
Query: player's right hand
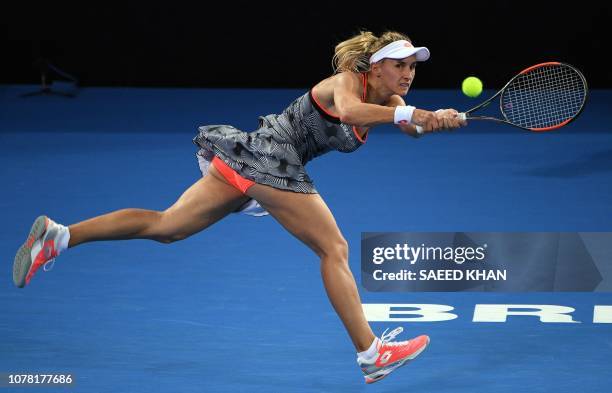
x: 426, y: 119
x: 449, y: 119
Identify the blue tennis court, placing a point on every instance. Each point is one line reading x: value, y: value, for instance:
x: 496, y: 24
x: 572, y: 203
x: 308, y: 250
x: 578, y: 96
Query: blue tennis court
x: 241, y: 307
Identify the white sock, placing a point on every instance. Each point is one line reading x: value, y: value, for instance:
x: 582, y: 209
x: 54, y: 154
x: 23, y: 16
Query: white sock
x: 369, y: 353
x: 62, y: 239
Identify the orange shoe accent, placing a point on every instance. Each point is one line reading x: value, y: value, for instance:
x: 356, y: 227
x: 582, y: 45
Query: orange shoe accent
x: 46, y: 253
x: 391, y: 353
x: 233, y: 177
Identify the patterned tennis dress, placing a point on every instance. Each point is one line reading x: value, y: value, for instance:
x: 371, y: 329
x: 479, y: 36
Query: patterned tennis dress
x: 275, y: 154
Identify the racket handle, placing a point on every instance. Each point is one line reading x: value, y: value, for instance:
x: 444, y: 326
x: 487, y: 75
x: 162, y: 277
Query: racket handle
x: 461, y: 116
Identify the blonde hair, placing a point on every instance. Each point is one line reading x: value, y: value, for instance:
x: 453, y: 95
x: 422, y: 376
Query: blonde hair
x: 353, y: 55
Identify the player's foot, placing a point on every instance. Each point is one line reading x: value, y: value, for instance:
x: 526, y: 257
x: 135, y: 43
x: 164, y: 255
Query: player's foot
x: 39, y: 249
x: 391, y: 355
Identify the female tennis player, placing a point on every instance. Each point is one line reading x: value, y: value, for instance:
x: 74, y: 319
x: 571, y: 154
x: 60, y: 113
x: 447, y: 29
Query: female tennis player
x: 263, y: 172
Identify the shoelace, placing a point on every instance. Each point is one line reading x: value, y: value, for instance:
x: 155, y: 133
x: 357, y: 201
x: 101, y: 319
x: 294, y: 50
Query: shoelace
x: 50, y: 263
x: 386, y: 338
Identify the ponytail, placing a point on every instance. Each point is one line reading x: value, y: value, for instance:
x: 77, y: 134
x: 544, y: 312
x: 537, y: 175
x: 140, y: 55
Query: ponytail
x: 353, y: 55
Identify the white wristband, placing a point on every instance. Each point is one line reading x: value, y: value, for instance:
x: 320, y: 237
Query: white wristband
x: 403, y: 114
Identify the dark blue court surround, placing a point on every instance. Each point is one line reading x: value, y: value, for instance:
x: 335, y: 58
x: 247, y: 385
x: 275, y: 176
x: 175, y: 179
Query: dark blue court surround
x: 241, y: 307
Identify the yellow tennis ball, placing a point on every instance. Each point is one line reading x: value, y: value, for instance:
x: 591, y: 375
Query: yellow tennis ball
x: 471, y: 86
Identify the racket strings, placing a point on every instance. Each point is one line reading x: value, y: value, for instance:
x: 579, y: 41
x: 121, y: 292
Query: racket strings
x: 544, y: 97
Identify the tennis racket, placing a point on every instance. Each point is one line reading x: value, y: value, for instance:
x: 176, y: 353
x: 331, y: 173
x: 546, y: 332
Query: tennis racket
x: 543, y: 97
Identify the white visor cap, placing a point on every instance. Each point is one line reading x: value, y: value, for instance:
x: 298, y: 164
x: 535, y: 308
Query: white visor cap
x: 400, y: 50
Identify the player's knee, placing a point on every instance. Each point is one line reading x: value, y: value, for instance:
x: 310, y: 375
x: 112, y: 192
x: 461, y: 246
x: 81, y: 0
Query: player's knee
x: 165, y: 231
x: 170, y: 237
x: 336, y: 252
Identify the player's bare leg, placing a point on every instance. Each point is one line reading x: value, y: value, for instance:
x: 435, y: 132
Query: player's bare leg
x: 204, y: 203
